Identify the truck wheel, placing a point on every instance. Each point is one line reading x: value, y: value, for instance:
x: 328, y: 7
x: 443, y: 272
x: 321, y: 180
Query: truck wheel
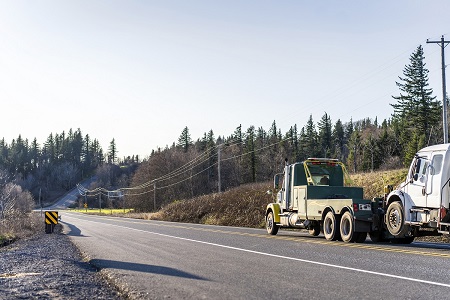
x: 395, y: 219
x: 271, y: 227
x: 330, y: 227
x: 314, y: 230
x: 347, y: 228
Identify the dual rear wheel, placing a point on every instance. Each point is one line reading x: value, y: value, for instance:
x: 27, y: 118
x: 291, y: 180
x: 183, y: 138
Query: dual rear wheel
x: 335, y: 229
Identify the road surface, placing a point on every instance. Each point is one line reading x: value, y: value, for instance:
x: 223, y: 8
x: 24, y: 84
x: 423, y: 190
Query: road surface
x: 70, y: 197
x: 158, y: 260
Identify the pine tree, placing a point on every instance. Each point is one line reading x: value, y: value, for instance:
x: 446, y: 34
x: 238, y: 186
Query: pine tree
x: 310, y: 139
x: 185, y: 141
x: 250, y: 160
x: 34, y: 154
x: 50, y: 149
x: 416, y: 107
x: 325, y: 135
x: 112, y: 152
x: 338, y: 138
x: 237, y: 135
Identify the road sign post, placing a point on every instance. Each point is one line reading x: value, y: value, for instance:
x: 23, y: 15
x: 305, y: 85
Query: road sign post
x: 51, y: 219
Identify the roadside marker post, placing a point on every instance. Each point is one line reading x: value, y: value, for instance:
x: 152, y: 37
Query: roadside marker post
x: 51, y: 219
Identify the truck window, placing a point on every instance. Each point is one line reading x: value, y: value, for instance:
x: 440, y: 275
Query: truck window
x: 436, y: 164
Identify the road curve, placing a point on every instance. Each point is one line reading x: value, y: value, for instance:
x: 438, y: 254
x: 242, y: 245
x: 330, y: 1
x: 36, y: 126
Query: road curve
x: 70, y: 197
x: 158, y: 260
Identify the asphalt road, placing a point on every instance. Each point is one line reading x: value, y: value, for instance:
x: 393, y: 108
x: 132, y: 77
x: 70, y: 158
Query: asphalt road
x: 70, y: 197
x: 156, y: 260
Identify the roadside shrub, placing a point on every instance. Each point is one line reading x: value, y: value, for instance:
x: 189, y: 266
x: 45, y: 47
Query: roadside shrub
x: 241, y: 206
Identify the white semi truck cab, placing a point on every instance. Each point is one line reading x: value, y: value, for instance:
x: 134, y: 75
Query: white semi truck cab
x: 420, y: 205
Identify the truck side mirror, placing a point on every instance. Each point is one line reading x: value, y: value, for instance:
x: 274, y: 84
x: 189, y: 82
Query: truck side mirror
x: 416, y: 176
x: 417, y: 169
x: 276, y: 181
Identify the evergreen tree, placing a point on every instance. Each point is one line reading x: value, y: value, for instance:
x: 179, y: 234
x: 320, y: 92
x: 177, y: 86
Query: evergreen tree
x: 325, y: 135
x: 185, y: 141
x: 112, y: 152
x: 310, y: 139
x: 34, y: 154
x: 250, y: 160
x: 212, y: 154
x: 338, y: 138
x: 50, y: 149
x: 237, y: 135
x: 416, y: 107
x: 4, y: 154
x: 354, y: 145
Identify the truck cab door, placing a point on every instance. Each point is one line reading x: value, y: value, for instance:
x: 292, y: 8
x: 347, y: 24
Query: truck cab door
x: 433, y: 185
x: 418, y: 180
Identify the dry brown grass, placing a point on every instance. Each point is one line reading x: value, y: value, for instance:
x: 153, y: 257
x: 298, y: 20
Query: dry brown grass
x: 20, y: 226
x: 242, y: 206
x: 374, y: 182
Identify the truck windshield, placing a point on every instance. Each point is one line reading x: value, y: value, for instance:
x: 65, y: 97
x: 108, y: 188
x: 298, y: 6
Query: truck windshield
x: 325, y: 174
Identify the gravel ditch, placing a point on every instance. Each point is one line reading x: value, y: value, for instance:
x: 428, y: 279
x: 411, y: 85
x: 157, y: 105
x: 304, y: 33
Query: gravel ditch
x: 49, y: 266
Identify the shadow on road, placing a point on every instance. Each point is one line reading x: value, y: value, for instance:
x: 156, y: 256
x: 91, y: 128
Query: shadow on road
x: 74, y: 230
x: 106, y: 263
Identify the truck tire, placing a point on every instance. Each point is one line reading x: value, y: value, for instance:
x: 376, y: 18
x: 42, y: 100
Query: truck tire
x: 395, y: 218
x: 347, y: 228
x: 271, y: 227
x: 330, y: 227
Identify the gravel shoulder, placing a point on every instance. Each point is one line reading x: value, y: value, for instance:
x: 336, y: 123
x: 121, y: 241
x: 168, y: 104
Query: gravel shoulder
x: 49, y: 266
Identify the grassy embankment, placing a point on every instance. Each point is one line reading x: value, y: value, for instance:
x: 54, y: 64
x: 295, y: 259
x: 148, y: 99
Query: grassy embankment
x: 20, y: 226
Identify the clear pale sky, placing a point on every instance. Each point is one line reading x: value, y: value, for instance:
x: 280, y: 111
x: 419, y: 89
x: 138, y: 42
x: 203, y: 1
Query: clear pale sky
x: 140, y: 71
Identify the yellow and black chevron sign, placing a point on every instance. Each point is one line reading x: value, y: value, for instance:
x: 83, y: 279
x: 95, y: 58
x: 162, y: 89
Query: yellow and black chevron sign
x: 51, y: 217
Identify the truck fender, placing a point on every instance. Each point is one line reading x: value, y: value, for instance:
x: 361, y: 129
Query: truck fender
x: 275, y: 208
x: 326, y: 210
x: 347, y: 208
x: 404, y: 198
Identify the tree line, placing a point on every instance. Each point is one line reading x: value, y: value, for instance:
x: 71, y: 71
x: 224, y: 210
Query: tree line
x: 63, y: 160
x: 190, y: 168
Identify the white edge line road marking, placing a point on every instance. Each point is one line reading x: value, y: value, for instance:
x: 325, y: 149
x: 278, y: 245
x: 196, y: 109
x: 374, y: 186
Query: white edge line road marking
x: 280, y: 256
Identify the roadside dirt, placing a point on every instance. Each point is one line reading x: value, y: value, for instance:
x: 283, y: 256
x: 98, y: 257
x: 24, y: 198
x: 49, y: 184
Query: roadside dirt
x: 49, y: 266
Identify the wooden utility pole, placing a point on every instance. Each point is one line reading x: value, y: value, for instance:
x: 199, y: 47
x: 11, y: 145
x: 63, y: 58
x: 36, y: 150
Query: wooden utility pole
x: 444, y: 92
x: 154, y: 196
x: 100, y: 200
x: 218, y: 168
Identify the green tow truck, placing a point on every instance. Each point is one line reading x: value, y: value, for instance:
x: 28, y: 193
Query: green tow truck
x: 312, y: 195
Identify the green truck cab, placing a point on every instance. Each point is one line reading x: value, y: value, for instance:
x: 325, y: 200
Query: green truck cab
x: 312, y: 195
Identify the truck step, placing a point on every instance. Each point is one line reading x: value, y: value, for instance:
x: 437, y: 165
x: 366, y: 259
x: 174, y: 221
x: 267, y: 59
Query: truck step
x: 424, y: 210
x: 413, y: 223
x: 444, y: 232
